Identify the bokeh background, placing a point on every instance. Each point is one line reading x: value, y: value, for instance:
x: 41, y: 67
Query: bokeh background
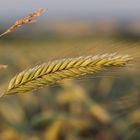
x: 103, y: 106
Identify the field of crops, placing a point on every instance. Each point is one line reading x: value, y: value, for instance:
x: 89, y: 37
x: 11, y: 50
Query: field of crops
x: 102, y: 106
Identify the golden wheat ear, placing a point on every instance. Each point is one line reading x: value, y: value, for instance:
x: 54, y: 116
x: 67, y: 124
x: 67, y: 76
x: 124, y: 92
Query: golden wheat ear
x: 52, y: 72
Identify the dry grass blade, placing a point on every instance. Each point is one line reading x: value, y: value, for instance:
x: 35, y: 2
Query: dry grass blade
x: 29, y: 19
x: 52, y: 72
x: 3, y: 66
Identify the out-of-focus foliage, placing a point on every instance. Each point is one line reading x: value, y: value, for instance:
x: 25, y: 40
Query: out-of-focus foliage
x: 104, y: 106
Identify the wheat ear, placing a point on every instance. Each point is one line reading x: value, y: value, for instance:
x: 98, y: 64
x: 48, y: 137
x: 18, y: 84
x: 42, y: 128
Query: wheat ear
x: 29, y: 19
x: 52, y: 72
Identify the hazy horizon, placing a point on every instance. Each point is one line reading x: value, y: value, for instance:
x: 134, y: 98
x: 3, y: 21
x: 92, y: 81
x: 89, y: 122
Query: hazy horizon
x: 69, y: 9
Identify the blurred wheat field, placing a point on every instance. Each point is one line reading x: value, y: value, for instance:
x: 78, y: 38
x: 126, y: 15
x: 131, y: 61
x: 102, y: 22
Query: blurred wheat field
x: 104, y: 106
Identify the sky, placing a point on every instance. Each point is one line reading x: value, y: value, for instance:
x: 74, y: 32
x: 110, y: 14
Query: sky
x: 10, y: 9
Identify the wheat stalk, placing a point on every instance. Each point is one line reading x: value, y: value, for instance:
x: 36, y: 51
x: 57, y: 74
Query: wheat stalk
x: 29, y: 19
x: 52, y: 72
x: 3, y: 66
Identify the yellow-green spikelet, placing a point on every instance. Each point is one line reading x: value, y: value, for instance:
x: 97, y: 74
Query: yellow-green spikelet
x: 52, y: 72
